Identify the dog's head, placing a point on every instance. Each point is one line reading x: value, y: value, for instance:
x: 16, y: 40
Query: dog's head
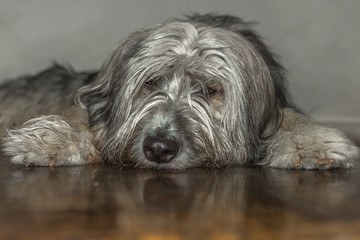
x: 183, y: 94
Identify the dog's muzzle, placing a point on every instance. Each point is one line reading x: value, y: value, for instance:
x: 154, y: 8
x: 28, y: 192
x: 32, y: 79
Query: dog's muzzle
x: 160, y: 150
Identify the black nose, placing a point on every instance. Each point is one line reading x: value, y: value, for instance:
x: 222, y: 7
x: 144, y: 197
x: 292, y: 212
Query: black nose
x: 157, y: 149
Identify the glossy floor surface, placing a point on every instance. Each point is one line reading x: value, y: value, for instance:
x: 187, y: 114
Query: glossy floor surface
x: 107, y: 202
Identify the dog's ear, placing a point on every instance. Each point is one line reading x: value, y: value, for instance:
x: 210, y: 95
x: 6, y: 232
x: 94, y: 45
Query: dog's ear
x: 98, y: 96
x: 263, y: 107
x: 271, y: 95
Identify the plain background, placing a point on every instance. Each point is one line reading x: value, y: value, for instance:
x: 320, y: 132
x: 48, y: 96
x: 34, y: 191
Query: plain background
x: 318, y: 41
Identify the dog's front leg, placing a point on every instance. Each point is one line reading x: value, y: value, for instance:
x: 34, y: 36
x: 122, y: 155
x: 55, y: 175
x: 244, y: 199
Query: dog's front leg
x: 52, y: 140
x: 302, y: 143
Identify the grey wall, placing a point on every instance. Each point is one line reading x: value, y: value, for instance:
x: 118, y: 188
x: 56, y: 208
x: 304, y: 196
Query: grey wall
x: 318, y: 41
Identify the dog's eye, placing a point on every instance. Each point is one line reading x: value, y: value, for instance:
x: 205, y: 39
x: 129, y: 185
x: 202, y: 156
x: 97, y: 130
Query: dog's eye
x: 211, y: 91
x: 214, y: 90
x: 152, y: 83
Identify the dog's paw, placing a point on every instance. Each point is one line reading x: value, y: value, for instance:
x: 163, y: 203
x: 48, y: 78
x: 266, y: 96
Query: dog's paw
x: 48, y: 141
x: 314, y: 147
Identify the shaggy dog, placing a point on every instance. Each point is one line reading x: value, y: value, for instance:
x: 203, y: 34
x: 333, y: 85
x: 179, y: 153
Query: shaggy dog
x: 200, y: 91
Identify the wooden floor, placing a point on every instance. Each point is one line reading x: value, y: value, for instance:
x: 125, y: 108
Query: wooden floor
x: 107, y: 202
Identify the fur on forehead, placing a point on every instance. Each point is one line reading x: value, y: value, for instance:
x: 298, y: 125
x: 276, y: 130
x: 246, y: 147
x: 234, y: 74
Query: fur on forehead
x: 183, y: 48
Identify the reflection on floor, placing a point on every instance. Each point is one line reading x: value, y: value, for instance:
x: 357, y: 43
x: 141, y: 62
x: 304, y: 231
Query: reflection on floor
x: 107, y: 202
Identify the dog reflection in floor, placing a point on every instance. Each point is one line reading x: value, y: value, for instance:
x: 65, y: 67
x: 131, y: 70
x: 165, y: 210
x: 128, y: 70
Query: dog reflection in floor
x: 199, y: 91
x: 196, y: 201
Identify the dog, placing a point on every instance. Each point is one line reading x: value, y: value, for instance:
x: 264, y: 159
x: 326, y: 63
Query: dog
x: 199, y: 91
